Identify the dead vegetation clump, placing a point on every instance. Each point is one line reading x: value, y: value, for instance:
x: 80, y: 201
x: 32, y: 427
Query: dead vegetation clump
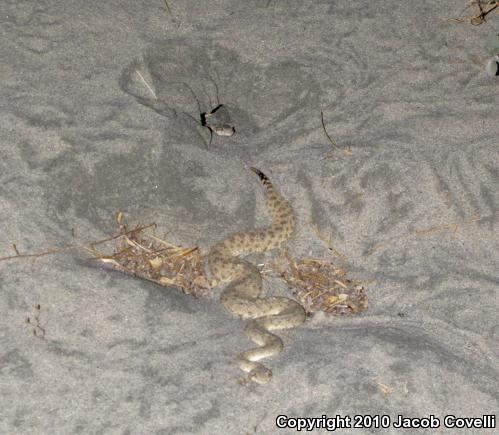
x: 317, y: 284
x: 321, y: 286
x: 140, y: 253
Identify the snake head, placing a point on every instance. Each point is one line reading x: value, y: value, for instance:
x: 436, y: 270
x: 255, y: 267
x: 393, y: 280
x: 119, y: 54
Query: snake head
x: 261, y: 375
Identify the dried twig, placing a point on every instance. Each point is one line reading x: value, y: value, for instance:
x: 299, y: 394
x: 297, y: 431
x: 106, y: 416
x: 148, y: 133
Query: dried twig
x: 327, y: 241
x: 453, y: 227
x: 151, y: 90
x: 171, y: 14
x: 347, y: 151
x: 384, y: 389
x: 482, y: 12
x: 71, y: 248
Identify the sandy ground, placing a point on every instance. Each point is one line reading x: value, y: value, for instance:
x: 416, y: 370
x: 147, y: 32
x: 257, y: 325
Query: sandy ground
x: 413, y: 207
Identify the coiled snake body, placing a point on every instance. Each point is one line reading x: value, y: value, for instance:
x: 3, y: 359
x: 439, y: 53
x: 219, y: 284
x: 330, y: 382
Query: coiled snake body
x: 242, y: 297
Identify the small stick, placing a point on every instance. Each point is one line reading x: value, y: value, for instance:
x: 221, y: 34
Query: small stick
x: 69, y: 248
x: 170, y: 12
x: 188, y: 251
x: 325, y: 131
x: 147, y: 84
x: 480, y: 17
x: 453, y: 226
x: 38, y: 254
x: 347, y: 152
x: 327, y: 241
x: 168, y: 8
x: 163, y: 241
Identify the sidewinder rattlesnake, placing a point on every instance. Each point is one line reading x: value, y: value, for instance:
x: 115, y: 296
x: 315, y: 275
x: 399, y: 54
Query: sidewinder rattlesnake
x: 242, y: 296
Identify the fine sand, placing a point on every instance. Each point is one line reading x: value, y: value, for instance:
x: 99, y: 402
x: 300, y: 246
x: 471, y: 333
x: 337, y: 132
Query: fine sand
x: 100, y: 104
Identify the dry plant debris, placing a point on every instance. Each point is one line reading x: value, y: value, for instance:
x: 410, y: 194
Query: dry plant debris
x: 321, y: 286
x: 142, y: 254
x: 384, y: 389
x: 318, y: 284
x: 483, y: 9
